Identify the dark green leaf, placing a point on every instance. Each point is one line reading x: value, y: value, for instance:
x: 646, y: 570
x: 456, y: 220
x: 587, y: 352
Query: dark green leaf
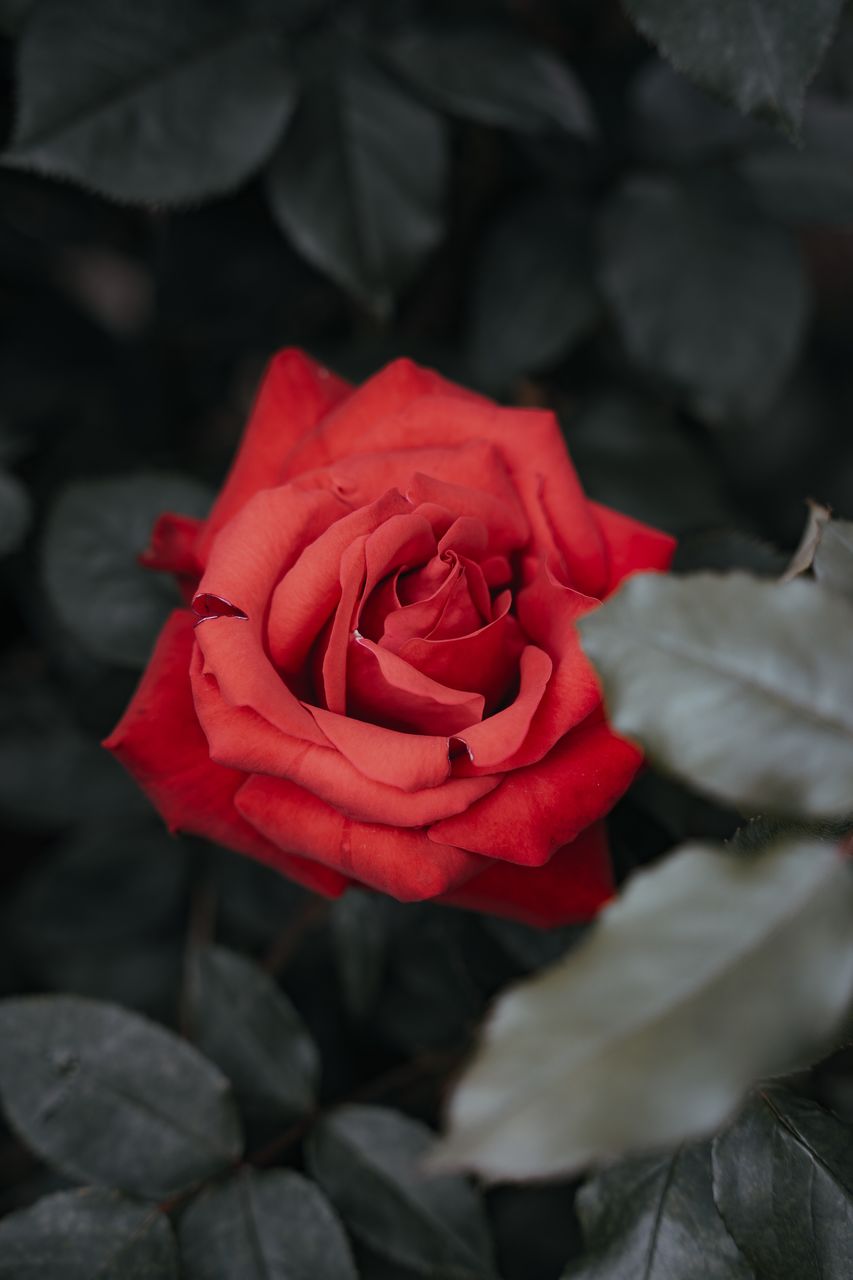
x: 724, y: 549
x: 362, y: 200
x: 762, y: 671
x: 635, y: 457
x: 15, y: 513
x: 709, y: 972
x: 361, y: 923
x: 369, y: 1162
x: 533, y: 292
x: 812, y: 183
x: 264, y: 1226
x: 106, y: 1096
x: 492, y: 76
x: 95, y: 534
x: 431, y: 997
x: 783, y: 1181
x: 678, y: 262
x: 245, y: 1024
x: 673, y: 119
x: 155, y: 102
x: 760, y: 54
x: 531, y: 948
x: 13, y: 15
x: 50, y: 772
x: 107, y: 882
x: 758, y: 833
x: 833, y: 563
x: 655, y: 1219
x: 87, y: 1235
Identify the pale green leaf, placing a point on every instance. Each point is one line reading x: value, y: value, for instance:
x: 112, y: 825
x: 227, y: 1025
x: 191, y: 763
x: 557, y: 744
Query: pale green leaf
x: 712, y: 970
x: 742, y: 687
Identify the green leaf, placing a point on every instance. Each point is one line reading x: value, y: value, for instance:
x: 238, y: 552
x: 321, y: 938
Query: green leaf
x: 491, y: 75
x: 533, y: 294
x: 724, y: 549
x: 96, y: 531
x: 361, y: 925
x: 655, y: 1218
x: 264, y: 1226
x: 674, y: 120
x: 87, y: 1235
x: 710, y: 971
x: 15, y: 513
x: 13, y: 15
x: 51, y: 774
x: 678, y: 261
x: 635, y: 457
x: 155, y: 102
x: 812, y: 183
x: 783, y: 1181
x: 833, y: 562
x: 244, y: 1023
x: 760, y: 54
x: 363, y: 201
x: 742, y: 687
x: 369, y: 1162
x: 108, y: 1097
x: 108, y: 881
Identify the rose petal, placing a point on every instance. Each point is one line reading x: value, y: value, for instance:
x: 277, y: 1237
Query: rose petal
x: 572, y: 887
x: 241, y: 739
x: 406, y: 760
x: 294, y: 395
x: 172, y: 548
x: 499, y: 736
x: 245, y: 562
x: 386, y: 690
x: 485, y: 661
x: 529, y: 441
x: 548, y: 614
x: 306, y: 596
x: 403, y: 863
x: 537, y: 810
x: 161, y: 743
x: 631, y: 545
x: 341, y: 433
x: 401, y: 541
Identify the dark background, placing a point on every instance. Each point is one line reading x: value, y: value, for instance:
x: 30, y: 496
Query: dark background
x: 674, y: 280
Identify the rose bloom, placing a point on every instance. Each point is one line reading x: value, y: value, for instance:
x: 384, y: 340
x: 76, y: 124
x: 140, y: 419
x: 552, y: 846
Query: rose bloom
x: 378, y: 680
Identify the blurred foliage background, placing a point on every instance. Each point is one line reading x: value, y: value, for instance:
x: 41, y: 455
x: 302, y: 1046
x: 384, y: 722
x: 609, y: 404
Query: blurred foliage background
x: 523, y: 195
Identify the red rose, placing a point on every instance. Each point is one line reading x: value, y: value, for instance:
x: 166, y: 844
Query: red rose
x: 380, y: 679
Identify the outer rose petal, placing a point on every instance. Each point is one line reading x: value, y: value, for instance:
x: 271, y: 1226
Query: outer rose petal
x: 173, y: 546
x: 631, y: 545
x: 573, y: 886
x: 403, y: 863
x: 160, y: 742
x: 537, y: 810
x: 344, y: 430
x: 294, y: 395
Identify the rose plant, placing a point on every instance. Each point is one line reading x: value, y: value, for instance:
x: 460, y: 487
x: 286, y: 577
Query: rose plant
x: 378, y: 678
